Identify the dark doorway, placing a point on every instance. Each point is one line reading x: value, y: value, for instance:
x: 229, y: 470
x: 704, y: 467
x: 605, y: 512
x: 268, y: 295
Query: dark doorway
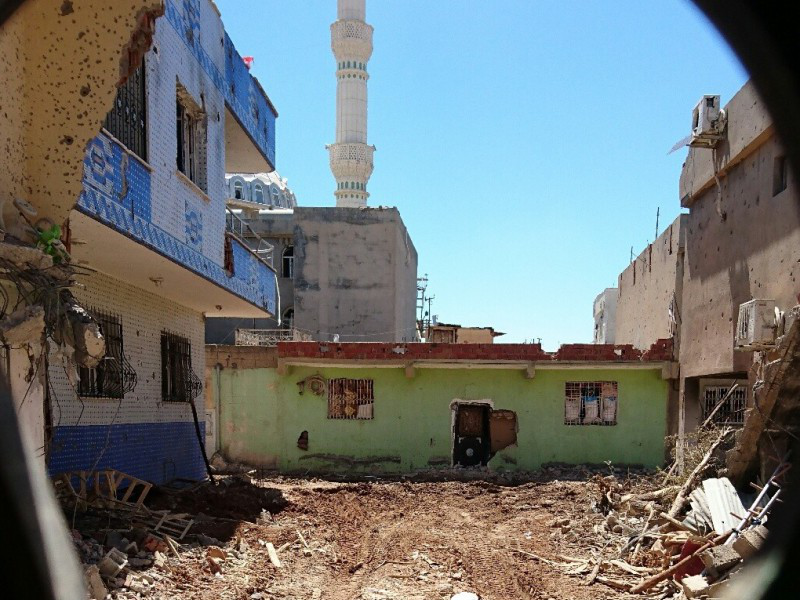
x: 471, y: 446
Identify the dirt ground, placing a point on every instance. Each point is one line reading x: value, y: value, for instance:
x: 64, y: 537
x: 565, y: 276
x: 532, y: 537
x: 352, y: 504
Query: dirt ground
x: 383, y: 539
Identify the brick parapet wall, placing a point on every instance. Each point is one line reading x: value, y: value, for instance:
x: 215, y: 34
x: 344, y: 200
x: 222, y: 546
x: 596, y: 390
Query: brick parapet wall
x: 370, y: 351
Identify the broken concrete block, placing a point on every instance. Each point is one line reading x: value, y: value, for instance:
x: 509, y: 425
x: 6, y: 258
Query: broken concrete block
x: 97, y: 589
x: 139, y: 563
x: 694, y: 586
x: 23, y: 326
x: 465, y: 596
x: 750, y: 541
x: 136, y: 583
x: 25, y: 257
x: 112, y: 563
x: 719, y: 559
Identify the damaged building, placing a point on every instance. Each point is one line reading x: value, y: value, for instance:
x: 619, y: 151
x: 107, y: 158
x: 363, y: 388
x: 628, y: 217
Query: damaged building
x: 151, y: 255
x: 451, y: 333
x: 381, y: 407
x: 346, y: 274
x: 738, y: 242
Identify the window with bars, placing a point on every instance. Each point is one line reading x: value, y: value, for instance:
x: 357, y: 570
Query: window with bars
x: 731, y: 411
x: 191, y: 137
x: 127, y: 120
x: 114, y: 376
x: 178, y: 382
x: 590, y: 403
x: 350, y: 398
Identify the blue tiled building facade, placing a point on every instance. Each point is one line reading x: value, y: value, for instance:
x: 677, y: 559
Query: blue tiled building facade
x: 168, y: 197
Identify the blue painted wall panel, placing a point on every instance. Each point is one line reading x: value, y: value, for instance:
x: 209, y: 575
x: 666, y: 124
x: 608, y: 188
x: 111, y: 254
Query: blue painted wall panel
x: 242, y: 93
x: 156, y: 452
x: 107, y: 197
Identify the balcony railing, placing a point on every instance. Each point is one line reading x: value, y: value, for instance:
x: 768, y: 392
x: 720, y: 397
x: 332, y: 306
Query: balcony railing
x: 267, y: 337
x: 242, y: 230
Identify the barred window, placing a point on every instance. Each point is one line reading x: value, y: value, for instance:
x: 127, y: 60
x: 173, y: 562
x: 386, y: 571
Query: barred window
x: 732, y: 407
x: 350, y: 398
x: 114, y: 376
x: 590, y: 403
x: 127, y: 119
x: 178, y: 382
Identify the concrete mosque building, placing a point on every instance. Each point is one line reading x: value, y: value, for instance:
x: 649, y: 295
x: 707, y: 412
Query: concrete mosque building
x: 345, y: 273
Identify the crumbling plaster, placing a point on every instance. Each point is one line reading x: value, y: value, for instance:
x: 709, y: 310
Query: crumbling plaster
x: 60, y: 63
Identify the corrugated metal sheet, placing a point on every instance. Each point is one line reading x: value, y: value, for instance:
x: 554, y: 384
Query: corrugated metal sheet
x: 723, y: 503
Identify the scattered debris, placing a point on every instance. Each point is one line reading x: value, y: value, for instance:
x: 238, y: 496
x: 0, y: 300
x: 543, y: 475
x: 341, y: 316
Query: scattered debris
x: 94, y: 583
x: 565, y: 532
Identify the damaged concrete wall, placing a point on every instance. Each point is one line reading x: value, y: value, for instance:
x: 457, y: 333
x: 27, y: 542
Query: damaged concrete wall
x: 60, y: 61
x: 263, y: 415
x: 743, y: 243
x: 649, y: 290
x: 355, y: 274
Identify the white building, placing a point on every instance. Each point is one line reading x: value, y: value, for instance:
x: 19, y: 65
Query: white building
x: 350, y: 155
x: 268, y: 189
x: 151, y: 224
x: 605, y: 316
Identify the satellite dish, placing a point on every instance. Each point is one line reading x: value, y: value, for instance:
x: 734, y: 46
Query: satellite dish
x: 684, y: 142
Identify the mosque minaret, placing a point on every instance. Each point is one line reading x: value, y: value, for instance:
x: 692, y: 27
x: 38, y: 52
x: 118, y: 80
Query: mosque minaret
x: 350, y: 155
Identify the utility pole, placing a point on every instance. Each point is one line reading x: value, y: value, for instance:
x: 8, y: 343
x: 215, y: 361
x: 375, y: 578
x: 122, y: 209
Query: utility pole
x: 430, y: 315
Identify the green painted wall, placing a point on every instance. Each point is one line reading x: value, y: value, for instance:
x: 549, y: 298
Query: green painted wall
x: 262, y: 414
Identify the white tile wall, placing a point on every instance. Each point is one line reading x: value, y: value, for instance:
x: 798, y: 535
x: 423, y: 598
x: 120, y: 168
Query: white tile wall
x: 168, y: 62
x: 143, y: 315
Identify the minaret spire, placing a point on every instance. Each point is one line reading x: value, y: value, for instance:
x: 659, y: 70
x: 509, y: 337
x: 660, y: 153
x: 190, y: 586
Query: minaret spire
x: 350, y: 156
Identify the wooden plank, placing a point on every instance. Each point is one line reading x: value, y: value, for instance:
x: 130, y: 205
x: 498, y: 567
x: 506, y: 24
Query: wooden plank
x: 273, y: 555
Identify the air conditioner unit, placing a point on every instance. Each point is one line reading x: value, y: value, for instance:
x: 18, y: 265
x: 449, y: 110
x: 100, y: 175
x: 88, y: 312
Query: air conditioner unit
x: 708, y: 122
x: 756, y: 327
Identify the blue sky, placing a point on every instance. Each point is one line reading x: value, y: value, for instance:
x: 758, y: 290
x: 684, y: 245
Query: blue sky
x: 524, y: 142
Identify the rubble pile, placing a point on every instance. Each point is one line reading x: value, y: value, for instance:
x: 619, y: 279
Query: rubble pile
x: 569, y: 531
x: 677, y: 541
x: 132, y: 541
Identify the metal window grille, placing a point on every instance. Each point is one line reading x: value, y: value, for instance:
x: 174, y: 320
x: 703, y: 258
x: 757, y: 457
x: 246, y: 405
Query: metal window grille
x: 590, y: 403
x: 731, y: 411
x: 114, y: 376
x: 350, y: 399
x: 178, y: 382
x: 127, y: 120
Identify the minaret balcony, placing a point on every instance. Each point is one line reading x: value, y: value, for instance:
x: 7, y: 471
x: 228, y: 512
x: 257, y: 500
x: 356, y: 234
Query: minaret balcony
x: 351, y: 160
x: 351, y: 40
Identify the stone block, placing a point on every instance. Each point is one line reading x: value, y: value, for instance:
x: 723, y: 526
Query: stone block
x: 97, y: 589
x: 719, y: 559
x: 694, y: 586
x: 747, y: 544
